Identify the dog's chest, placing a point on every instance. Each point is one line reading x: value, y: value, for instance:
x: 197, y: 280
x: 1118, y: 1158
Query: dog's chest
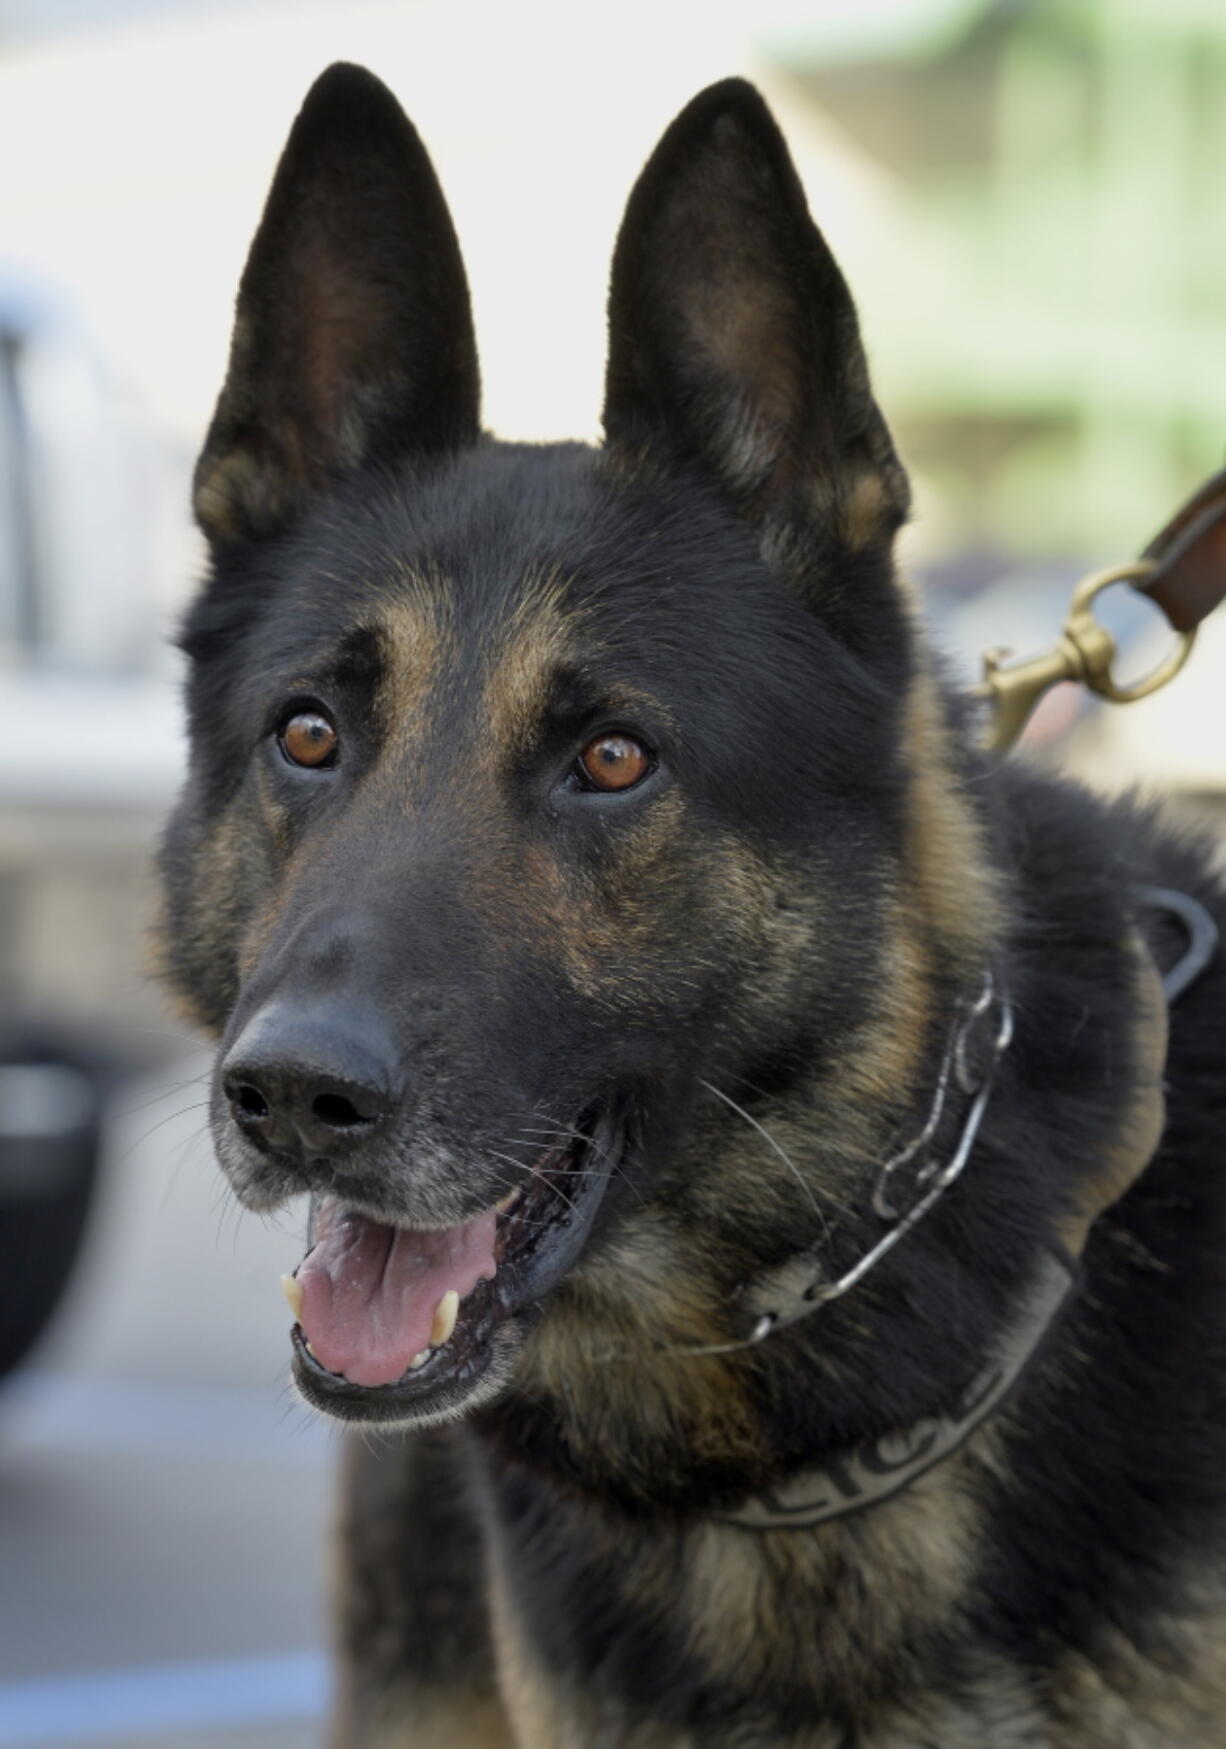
x: 717, y: 1636
x: 854, y: 1636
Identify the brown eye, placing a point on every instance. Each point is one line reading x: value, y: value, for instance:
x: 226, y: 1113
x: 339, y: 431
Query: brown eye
x: 309, y: 739
x: 613, y: 762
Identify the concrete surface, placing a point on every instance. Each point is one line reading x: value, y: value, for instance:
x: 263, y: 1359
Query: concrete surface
x: 164, y: 1499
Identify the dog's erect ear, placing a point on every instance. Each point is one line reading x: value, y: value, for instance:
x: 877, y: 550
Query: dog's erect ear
x: 353, y: 336
x: 733, y: 338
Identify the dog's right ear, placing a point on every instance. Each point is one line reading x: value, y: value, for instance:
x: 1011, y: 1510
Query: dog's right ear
x: 353, y: 337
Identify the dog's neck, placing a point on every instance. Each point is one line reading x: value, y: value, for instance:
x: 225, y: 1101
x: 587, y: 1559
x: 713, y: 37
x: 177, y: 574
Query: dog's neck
x: 871, y: 1473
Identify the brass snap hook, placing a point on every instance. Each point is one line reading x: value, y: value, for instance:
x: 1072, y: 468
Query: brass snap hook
x: 1098, y: 646
x: 1085, y: 651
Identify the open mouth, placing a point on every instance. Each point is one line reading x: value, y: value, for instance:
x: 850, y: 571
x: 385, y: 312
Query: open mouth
x: 402, y: 1323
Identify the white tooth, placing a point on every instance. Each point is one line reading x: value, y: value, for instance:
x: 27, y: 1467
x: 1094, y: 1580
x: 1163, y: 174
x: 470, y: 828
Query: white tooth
x: 508, y: 1202
x: 306, y: 1344
x: 445, y: 1315
x: 291, y: 1287
x: 419, y: 1360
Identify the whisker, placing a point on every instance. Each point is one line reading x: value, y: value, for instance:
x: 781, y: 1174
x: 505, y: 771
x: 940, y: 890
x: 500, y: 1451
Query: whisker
x: 776, y: 1148
x: 183, y: 1111
x: 166, y: 1091
x: 520, y: 1167
x: 187, y: 1154
x: 552, y: 1127
x: 548, y: 1125
x: 562, y: 1130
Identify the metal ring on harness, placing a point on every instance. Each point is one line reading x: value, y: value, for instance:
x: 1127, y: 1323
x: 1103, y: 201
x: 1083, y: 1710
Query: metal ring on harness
x: 1202, y: 932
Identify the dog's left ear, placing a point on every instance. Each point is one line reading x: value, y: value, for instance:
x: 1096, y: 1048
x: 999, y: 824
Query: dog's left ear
x: 353, y: 338
x: 733, y: 339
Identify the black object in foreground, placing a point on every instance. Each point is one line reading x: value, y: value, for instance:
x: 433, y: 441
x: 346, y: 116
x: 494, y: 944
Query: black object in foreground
x: 50, y: 1103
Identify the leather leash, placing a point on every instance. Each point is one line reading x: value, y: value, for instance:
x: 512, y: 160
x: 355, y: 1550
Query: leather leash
x: 1189, y: 558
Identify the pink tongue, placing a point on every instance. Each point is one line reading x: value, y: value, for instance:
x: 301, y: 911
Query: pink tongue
x: 369, y: 1292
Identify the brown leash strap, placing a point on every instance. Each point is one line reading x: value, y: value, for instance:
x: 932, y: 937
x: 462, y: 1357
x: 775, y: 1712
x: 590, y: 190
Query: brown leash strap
x: 1190, y: 556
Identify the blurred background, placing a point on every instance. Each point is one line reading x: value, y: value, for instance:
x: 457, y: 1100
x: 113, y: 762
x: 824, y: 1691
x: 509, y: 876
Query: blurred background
x: 1025, y: 195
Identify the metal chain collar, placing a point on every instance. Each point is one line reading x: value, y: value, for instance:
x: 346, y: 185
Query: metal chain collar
x: 799, y: 1286
x: 914, y: 1179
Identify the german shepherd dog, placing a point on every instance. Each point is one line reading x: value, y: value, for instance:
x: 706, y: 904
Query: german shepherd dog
x: 766, y: 1242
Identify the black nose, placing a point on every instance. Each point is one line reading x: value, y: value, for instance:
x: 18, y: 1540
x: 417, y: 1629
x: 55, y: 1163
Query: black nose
x: 308, y: 1081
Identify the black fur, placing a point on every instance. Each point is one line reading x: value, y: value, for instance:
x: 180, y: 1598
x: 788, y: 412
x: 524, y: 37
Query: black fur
x: 818, y: 866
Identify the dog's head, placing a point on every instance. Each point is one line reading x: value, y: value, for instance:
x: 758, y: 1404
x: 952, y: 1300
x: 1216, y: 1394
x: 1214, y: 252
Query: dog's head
x: 548, y: 804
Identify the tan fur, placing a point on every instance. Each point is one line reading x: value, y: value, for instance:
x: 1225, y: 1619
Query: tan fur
x: 645, y: 1295
x: 244, y: 484
x: 915, y: 1570
x: 1124, y: 1699
x: 911, y: 1559
x: 417, y: 638
x: 945, y: 912
x: 1144, y: 1118
x: 955, y: 890
x: 538, y: 637
x: 608, y: 925
x: 235, y: 489
x: 539, y: 1715
x: 215, y: 896
x: 867, y: 510
x: 599, y: 922
x: 422, y: 1720
x: 739, y: 1591
x: 156, y: 967
x: 882, y: 1061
